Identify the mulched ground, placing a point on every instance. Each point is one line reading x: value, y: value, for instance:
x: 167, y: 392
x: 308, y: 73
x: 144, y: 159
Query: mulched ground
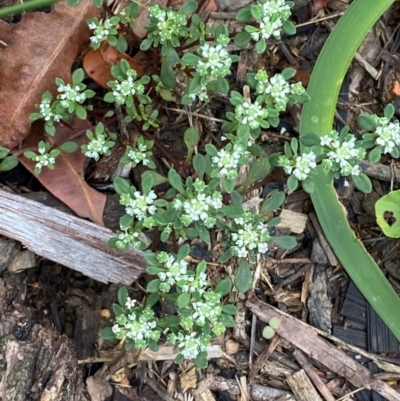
x: 62, y: 308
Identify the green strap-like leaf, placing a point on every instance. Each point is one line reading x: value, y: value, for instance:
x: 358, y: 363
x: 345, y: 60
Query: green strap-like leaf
x: 317, y: 117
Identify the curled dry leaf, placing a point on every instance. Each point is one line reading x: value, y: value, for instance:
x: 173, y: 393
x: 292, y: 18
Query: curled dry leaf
x: 41, y: 47
x: 97, y: 63
x: 67, y: 182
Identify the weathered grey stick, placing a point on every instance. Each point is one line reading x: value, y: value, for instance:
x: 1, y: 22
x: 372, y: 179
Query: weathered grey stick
x: 68, y: 240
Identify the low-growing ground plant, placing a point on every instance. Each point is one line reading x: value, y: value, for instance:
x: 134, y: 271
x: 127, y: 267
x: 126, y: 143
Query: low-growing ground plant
x: 201, y: 194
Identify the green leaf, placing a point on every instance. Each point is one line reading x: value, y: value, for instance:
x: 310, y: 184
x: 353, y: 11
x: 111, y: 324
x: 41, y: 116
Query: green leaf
x: 179, y: 358
x: 284, y: 241
x: 199, y: 165
x: 106, y: 333
x: 153, y: 285
x: 232, y: 211
x: 273, y: 201
x: 244, y: 277
x: 80, y: 112
x: 388, y: 111
x: 3, y: 152
x: 184, y: 251
x: 153, y: 346
x: 125, y: 221
x: 222, y: 85
x: 227, y: 320
x: 188, y: 7
x: 244, y: 15
x: 366, y: 122
x: 261, y: 46
x: 73, y: 3
x: 169, y: 321
x: 224, y: 287
x: 183, y: 300
x: 123, y: 296
x: 167, y: 76
x: 310, y: 140
x: 268, y: 332
x: 292, y: 183
x: 68, y: 147
x: 389, y: 207
x: 121, y: 186
x: 201, y: 361
x: 362, y: 183
x: 191, y: 136
x: 259, y: 169
x: 256, y: 11
x: 172, y: 58
x: 308, y: 185
x: 190, y: 58
x: 9, y: 163
x: 152, y: 299
x: 288, y: 73
x: 242, y: 39
x: 98, y: 3
x: 176, y: 181
x: 147, y: 183
x: 122, y: 44
x: 78, y: 76
x: 375, y: 155
x: 288, y: 27
x: 157, y: 178
x: 205, y: 236
x: 118, y: 310
x: 229, y: 309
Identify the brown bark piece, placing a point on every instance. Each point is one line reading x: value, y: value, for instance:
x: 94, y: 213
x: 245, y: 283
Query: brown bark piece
x: 302, y: 387
x: 41, y: 47
x: 38, y: 363
x: 307, y: 340
x: 257, y: 391
x: 309, y: 369
x: 68, y: 240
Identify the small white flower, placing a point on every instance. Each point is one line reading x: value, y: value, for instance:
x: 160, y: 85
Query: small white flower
x: 130, y: 303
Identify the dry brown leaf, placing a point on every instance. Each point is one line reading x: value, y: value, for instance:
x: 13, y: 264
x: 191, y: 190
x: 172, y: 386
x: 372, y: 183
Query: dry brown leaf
x: 67, y: 182
x: 97, y: 63
x: 41, y: 47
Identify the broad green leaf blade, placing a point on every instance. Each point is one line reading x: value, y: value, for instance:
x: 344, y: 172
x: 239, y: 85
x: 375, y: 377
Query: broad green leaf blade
x: 317, y: 116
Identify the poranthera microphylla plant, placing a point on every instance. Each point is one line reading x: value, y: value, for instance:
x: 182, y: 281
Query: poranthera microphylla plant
x: 202, y: 195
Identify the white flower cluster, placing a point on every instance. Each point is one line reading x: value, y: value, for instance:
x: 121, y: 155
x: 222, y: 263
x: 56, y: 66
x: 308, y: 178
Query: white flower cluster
x: 140, y: 154
x: 249, y: 114
x: 342, y: 154
x: 174, y: 271
x: 71, y: 95
x: 208, y: 310
x: 169, y: 22
x: 274, y: 12
x: 97, y: 146
x: 46, y: 112
x: 128, y: 238
x: 128, y: 87
x: 190, y: 345
x: 138, y: 325
x: 300, y: 167
x: 199, y: 207
x: 44, y: 159
x: 227, y: 160
x: 101, y: 31
x: 247, y: 237
x: 202, y: 94
x: 139, y: 206
x: 388, y: 133
x: 216, y: 59
x: 277, y: 88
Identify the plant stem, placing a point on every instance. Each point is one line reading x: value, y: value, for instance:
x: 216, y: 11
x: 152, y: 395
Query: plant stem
x: 20, y: 8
